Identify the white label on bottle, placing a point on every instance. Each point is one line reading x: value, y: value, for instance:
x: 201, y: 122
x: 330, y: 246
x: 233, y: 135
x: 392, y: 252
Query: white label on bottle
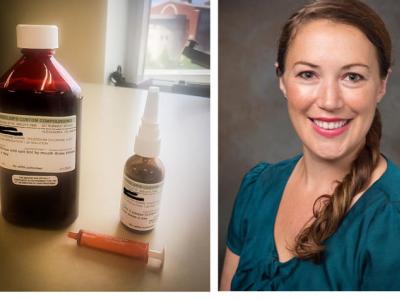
x: 37, y: 143
x: 35, y: 180
x: 140, y: 204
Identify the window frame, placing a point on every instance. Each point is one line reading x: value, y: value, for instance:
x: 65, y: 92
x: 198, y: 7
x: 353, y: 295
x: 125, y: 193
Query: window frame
x: 135, y: 71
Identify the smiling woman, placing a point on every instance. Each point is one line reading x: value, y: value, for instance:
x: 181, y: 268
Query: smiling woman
x: 332, y: 110
x: 329, y: 218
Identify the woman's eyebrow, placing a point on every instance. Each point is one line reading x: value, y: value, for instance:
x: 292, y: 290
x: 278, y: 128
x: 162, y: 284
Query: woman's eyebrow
x: 355, y: 65
x: 346, y: 67
x: 301, y: 62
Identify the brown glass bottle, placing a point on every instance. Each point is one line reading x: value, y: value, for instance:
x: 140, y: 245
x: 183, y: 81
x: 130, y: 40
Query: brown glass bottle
x: 144, y: 170
x: 146, y: 173
x: 37, y: 85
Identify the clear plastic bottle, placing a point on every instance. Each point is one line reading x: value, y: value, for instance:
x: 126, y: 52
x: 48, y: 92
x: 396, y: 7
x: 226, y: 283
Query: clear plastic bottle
x: 40, y: 107
x: 144, y: 173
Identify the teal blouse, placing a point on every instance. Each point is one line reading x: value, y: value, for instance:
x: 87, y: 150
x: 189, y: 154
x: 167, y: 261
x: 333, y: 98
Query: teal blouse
x: 363, y: 254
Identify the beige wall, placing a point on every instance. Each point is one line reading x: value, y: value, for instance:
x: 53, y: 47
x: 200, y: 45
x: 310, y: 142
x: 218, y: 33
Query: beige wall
x: 82, y: 27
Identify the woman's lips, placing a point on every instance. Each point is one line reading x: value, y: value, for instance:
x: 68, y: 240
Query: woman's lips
x: 330, y: 127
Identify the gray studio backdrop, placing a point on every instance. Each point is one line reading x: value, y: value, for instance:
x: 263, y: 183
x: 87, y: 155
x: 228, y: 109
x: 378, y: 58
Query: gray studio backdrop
x: 253, y: 120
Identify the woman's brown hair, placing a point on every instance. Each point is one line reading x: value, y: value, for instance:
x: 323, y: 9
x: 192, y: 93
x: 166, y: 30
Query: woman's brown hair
x: 329, y: 210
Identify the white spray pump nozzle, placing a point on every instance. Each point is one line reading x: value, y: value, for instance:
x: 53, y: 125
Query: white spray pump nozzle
x: 148, y: 141
x: 151, y: 110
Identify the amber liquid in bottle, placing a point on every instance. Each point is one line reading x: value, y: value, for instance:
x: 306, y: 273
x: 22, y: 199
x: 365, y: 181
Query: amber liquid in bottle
x: 37, y: 85
x: 143, y: 170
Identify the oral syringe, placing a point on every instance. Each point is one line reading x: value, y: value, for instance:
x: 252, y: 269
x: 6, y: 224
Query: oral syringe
x: 134, y: 249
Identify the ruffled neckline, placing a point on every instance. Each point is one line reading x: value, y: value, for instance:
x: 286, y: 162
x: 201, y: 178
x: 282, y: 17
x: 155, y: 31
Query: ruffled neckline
x: 353, y: 209
x: 268, y: 269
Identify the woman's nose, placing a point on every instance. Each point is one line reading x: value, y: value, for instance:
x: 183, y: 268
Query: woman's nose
x: 329, y: 96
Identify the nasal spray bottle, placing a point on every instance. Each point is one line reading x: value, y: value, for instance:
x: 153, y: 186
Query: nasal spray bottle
x: 144, y: 172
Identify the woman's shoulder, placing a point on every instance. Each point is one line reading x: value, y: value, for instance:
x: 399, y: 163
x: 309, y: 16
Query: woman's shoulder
x: 261, y: 182
x: 382, y: 234
x: 262, y: 179
x: 387, y: 199
x: 264, y: 170
x: 389, y: 183
x: 380, y: 210
x: 382, y: 197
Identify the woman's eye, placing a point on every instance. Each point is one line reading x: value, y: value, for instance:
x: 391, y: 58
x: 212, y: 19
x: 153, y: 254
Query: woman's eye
x: 306, y: 75
x: 354, y: 77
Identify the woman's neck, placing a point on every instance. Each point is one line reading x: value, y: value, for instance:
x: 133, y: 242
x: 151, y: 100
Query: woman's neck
x: 320, y: 174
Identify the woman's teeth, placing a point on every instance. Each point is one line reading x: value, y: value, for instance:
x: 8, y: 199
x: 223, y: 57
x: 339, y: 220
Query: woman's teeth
x: 330, y: 125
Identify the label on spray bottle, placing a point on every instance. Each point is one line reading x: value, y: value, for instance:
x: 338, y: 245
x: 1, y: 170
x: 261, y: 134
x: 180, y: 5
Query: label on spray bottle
x: 140, y: 204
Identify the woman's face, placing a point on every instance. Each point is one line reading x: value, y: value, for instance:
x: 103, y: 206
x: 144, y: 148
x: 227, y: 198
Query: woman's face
x: 332, y: 85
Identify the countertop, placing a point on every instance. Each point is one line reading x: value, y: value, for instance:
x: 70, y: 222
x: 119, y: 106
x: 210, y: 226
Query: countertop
x: 46, y: 260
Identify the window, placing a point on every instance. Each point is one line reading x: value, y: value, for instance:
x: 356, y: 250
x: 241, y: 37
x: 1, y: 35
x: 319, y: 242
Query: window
x: 170, y: 54
x: 159, y: 42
